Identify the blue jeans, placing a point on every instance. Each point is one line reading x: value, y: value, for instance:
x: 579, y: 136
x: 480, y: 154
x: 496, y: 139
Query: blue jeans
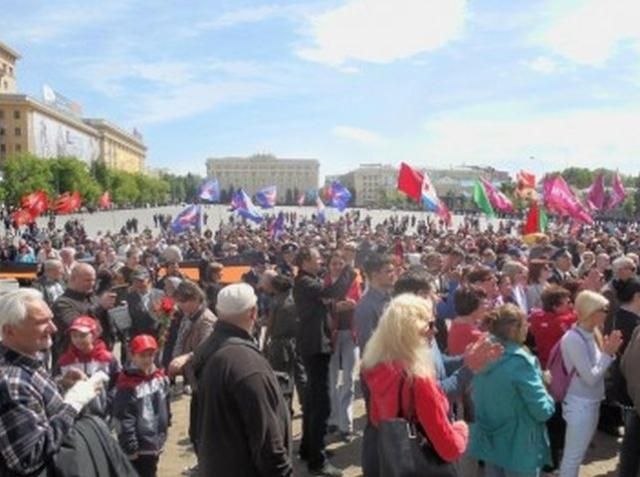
x: 491, y: 470
x: 344, y: 357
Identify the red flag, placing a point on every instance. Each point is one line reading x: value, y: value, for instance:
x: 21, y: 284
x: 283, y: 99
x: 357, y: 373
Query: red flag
x: 532, y: 224
x: 105, y: 200
x: 617, y: 192
x: 67, y: 203
x: 22, y: 217
x: 526, y: 180
x: 595, y: 198
x: 36, y: 203
x: 410, y: 182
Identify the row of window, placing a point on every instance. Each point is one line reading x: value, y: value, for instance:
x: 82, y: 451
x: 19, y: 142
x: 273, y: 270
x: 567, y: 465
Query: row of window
x: 16, y: 114
x: 3, y: 148
x: 16, y: 132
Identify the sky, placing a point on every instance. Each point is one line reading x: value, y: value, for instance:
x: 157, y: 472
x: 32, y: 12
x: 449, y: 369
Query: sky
x: 528, y: 84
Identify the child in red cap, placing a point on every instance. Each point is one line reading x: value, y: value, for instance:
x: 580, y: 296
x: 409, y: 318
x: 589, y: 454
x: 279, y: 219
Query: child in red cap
x: 88, y: 354
x: 141, y: 407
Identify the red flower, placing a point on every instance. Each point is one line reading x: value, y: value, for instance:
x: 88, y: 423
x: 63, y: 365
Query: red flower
x: 166, y: 304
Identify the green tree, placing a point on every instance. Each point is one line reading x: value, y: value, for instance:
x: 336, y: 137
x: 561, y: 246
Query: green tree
x: 26, y: 173
x: 71, y: 175
x: 125, y: 188
x: 629, y: 206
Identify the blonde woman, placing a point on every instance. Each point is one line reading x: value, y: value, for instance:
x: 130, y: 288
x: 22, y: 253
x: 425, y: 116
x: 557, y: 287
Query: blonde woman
x: 398, y: 354
x: 587, y: 355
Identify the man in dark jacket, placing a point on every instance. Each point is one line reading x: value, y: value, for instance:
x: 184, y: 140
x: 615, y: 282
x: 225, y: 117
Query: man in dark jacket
x: 79, y: 300
x: 314, y: 343
x: 139, y: 305
x: 244, y: 421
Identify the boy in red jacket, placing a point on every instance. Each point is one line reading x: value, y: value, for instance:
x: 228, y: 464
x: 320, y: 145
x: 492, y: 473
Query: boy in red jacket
x: 89, y: 354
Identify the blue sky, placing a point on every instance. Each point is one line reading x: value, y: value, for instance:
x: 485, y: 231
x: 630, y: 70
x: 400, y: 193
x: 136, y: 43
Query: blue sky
x: 531, y: 84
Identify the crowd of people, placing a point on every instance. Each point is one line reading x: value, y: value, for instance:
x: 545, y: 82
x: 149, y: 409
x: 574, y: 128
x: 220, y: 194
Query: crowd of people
x: 505, y: 354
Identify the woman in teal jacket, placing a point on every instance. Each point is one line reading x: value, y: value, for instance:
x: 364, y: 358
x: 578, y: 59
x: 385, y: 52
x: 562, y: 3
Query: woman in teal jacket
x: 511, y: 404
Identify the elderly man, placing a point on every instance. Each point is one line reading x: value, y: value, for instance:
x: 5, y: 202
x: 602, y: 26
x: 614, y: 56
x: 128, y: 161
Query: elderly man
x: 68, y: 257
x: 245, y: 429
x: 79, y: 300
x: 34, y: 417
x: 50, y: 284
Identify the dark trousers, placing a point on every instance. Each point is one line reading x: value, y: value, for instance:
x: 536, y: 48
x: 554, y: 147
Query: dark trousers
x: 284, y: 357
x: 556, y: 428
x: 317, y: 408
x: 146, y: 465
x: 630, y: 448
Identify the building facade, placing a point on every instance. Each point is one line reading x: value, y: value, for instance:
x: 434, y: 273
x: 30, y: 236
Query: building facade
x: 47, y: 130
x: 8, y: 59
x: 372, y: 181
x: 291, y: 176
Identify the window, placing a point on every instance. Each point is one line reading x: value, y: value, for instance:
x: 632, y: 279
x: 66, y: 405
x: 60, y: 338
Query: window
x: 3, y: 148
x: 18, y: 148
x: 16, y: 114
x: 1, y: 113
x: 1, y: 131
x: 6, y: 84
x: 18, y: 132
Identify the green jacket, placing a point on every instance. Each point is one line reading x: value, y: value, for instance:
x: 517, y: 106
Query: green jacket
x: 511, y: 407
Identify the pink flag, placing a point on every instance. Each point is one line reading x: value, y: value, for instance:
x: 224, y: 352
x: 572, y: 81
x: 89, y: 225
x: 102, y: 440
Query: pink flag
x: 301, y: 199
x: 560, y: 199
x: 617, y: 192
x: 498, y: 200
x: 595, y: 198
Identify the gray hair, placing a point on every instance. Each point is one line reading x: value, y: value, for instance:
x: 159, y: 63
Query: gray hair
x: 13, y: 305
x: 622, y: 262
x: 51, y: 264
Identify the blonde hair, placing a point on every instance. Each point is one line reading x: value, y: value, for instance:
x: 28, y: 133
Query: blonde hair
x: 502, y: 321
x: 586, y: 304
x: 398, y: 336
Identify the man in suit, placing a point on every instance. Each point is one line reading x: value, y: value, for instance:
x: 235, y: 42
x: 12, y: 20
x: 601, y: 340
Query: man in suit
x: 139, y: 303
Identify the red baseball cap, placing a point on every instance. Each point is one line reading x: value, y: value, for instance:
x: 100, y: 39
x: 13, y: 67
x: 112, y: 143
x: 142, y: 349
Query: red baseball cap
x: 143, y: 343
x: 84, y: 324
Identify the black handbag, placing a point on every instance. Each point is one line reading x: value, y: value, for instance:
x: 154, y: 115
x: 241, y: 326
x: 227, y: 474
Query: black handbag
x: 404, y: 449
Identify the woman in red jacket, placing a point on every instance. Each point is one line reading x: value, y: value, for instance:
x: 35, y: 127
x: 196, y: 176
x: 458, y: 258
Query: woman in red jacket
x: 398, y: 348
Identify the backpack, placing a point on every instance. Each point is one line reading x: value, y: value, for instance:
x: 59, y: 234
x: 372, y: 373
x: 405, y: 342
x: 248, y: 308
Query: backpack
x: 560, y: 377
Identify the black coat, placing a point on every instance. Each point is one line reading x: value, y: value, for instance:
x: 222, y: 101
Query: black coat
x: 141, y: 320
x: 244, y: 420
x: 314, y: 330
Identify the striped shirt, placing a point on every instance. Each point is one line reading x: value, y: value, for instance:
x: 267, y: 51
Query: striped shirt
x: 33, y: 417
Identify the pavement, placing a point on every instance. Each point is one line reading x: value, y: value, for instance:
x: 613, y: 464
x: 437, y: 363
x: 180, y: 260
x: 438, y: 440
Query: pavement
x: 601, y: 460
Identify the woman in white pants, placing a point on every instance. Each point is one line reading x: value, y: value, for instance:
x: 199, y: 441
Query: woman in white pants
x: 587, y: 356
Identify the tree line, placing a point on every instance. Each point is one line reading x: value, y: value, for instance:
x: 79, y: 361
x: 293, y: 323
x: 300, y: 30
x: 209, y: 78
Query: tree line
x: 26, y: 173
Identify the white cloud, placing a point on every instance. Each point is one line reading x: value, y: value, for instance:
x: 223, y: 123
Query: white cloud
x: 583, y: 138
x: 590, y: 31
x: 359, y: 135
x: 239, y: 17
x: 381, y: 31
x: 64, y: 19
x: 544, y: 65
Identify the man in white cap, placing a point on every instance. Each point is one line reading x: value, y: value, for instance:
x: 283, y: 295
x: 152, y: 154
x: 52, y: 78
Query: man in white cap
x: 243, y: 417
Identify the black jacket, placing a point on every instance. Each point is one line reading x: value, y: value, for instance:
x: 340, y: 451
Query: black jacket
x: 244, y: 420
x: 626, y: 322
x: 141, y: 411
x: 314, y: 330
x: 141, y: 320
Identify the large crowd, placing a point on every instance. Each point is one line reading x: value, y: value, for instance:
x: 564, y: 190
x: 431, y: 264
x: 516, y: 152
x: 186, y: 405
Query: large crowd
x: 500, y: 355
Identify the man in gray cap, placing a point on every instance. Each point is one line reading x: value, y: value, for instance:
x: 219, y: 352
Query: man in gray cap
x: 244, y: 427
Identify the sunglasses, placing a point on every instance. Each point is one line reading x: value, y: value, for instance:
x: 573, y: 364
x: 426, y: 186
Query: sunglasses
x: 604, y: 309
x: 431, y: 325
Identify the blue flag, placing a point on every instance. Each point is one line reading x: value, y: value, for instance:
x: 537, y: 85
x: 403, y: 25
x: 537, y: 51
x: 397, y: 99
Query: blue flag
x: 210, y: 191
x: 340, y: 196
x: 190, y: 217
x: 266, y: 198
x: 242, y: 204
x: 277, y: 226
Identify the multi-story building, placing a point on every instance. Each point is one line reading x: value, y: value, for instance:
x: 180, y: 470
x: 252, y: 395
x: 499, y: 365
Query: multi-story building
x: 372, y: 181
x: 291, y: 176
x: 8, y: 59
x: 48, y: 129
x: 119, y: 149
